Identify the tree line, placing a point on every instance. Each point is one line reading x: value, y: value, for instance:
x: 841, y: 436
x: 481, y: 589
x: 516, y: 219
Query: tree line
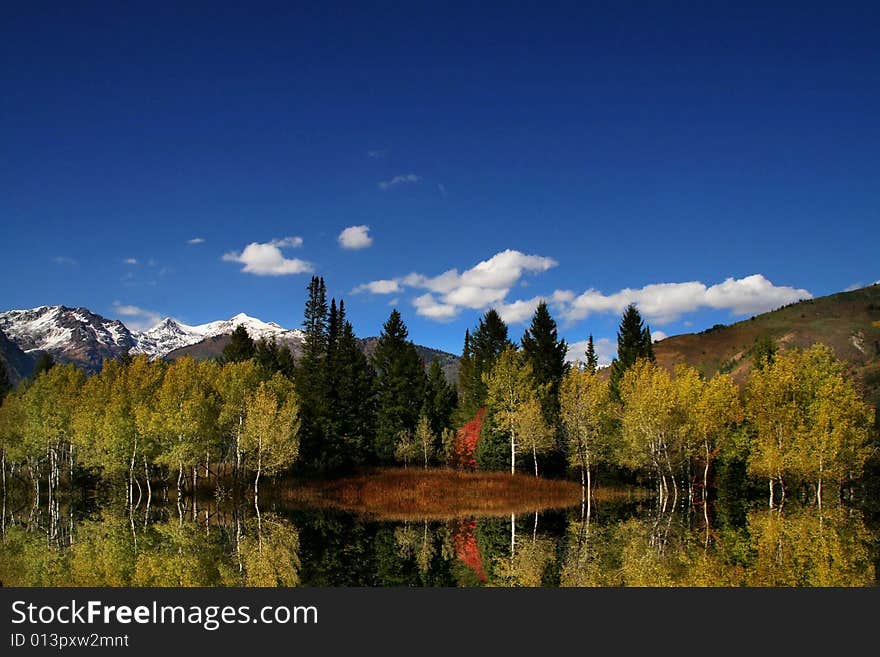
x: 260, y: 411
x: 799, y: 418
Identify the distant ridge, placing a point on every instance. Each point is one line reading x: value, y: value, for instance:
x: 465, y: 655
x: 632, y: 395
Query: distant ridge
x: 848, y: 322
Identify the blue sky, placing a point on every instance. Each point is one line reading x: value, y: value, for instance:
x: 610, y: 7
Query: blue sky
x: 590, y: 155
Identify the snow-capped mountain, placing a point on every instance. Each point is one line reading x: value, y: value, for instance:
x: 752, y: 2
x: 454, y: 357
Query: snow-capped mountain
x: 69, y: 334
x: 170, y: 334
x: 80, y: 336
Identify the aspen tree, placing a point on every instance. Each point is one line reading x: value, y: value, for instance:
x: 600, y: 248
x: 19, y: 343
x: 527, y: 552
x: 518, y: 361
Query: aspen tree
x: 587, y: 412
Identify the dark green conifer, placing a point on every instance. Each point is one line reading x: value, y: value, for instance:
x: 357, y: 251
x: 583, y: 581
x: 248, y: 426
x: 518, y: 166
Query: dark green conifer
x: 351, y: 417
x: 482, y: 348
x: 311, y: 379
x: 440, y: 398
x: 633, y: 342
x: 241, y: 346
x: 592, y: 360
x: 542, y: 348
x: 400, y: 386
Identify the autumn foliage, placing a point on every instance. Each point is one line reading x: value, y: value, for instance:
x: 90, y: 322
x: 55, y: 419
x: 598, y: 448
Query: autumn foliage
x: 466, y: 441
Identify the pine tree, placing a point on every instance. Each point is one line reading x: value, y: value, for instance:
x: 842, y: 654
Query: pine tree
x: 273, y: 358
x: 351, y: 415
x: 545, y: 352
x: 241, y: 347
x: 483, y: 346
x: 592, y: 360
x: 633, y: 343
x: 465, y: 381
x: 440, y: 398
x: 400, y: 385
x: 311, y: 379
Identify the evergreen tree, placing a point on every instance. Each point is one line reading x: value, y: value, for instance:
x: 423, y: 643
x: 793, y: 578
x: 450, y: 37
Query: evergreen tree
x: 465, y: 381
x: 633, y: 343
x: 592, y: 360
x: 273, y: 358
x: 241, y: 347
x: 545, y: 352
x: 400, y: 385
x: 311, y: 379
x: 351, y: 417
x: 483, y: 347
x: 44, y: 363
x: 440, y: 398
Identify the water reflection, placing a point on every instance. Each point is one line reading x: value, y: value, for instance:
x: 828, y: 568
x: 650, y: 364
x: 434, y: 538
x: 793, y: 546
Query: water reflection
x: 623, y: 544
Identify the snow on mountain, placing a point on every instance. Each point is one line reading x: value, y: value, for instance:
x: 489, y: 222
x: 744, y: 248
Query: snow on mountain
x: 69, y: 334
x: 80, y: 336
x: 170, y: 334
x: 52, y: 328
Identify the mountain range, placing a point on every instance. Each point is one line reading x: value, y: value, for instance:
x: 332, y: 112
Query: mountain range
x: 79, y: 336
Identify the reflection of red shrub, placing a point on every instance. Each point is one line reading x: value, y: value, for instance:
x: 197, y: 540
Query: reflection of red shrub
x: 466, y: 441
x: 466, y: 549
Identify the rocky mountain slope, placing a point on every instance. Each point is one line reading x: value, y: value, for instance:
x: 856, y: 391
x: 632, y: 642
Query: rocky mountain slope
x: 74, y: 335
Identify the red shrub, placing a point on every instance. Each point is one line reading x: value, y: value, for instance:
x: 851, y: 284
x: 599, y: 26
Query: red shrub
x: 466, y: 441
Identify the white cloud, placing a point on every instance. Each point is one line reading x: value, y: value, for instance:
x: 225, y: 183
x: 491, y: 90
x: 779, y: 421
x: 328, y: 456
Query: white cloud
x: 656, y: 336
x: 130, y: 261
x: 404, y: 179
x: 427, y: 306
x: 666, y: 302
x: 64, y: 260
x: 518, y: 311
x: 485, y: 284
x: 355, y: 237
x: 137, y: 319
x: 386, y: 286
x: 196, y: 240
x: 266, y: 259
x: 605, y: 349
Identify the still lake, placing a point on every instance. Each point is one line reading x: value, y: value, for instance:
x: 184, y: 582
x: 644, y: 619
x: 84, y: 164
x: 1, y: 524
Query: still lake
x: 626, y: 541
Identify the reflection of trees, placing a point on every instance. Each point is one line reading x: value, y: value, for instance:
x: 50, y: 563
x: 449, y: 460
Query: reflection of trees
x: 528, y: 565
x: 111, y: 550
x: 588, y: 560
x: 324, y: 548
x: 268, y: 554
x: 779, y: 549
x: 806, y: 548
x: 416, y: 542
